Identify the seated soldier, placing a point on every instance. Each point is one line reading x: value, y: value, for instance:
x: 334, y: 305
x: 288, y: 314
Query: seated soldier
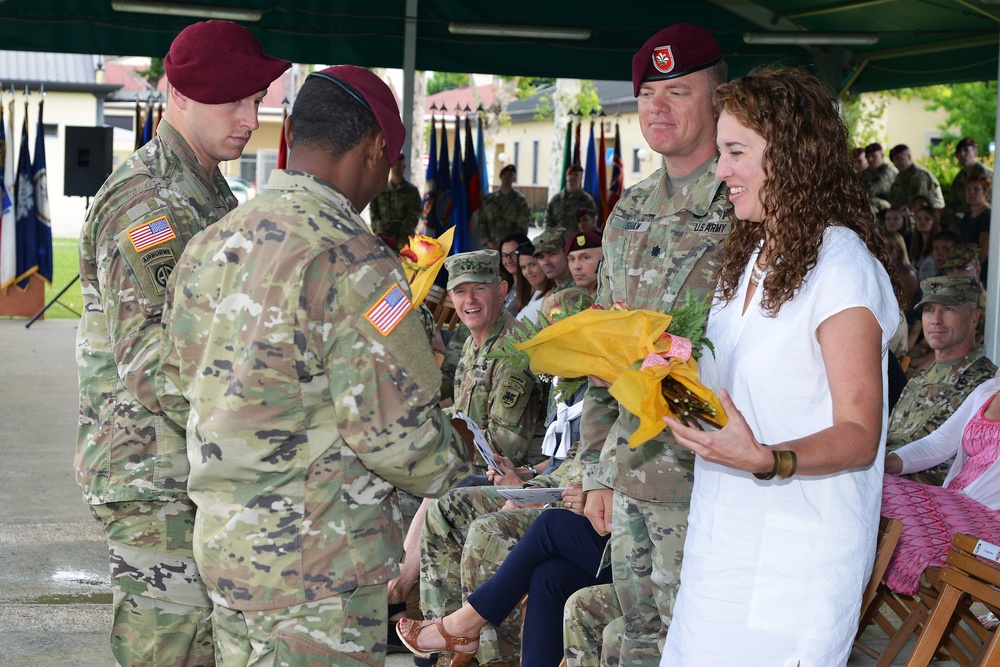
x: 949, y: 313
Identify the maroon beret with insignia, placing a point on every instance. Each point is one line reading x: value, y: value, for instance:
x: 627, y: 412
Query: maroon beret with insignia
x: 873, y: 148
x: 675, y: 51
x: 897, y: 149
x: 216, y: 62
x: 372, y: 93
x: 964, y: 143
x: 582, y: 240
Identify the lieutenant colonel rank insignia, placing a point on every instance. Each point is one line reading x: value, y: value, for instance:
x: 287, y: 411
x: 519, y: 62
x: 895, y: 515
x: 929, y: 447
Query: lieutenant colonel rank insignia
x: 389, y: 310
x: 151, y: 234
x: 663, y: 59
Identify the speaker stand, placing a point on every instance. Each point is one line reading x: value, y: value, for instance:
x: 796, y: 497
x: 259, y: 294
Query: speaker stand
x: 54, y: 300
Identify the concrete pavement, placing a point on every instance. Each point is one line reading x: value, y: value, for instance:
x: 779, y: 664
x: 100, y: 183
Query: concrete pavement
x: 54, y: 592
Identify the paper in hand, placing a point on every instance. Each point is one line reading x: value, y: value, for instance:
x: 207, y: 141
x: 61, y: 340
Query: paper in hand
x: 532, y: 496
x: 479, y: 440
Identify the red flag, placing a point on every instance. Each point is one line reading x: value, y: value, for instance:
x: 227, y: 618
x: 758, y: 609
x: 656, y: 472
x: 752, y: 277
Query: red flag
x: 282, y: 146
x: 576, y: 144
x: 602, y: 180
x: 617, y: 173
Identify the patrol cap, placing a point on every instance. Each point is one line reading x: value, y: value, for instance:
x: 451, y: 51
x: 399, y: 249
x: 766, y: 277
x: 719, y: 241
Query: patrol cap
x: 950, y: 290
x: 373, y: 94
x: 897, y: 149
x: 582, y: 241
x: 216, y: 62
x: 873, y: 148
x: 582, y: 211
x: 507, y: 168
x: 965, y: 143
x: 478, y: 266
x: 676, y: 51
x: 960, y: 256
x: 551, y: 240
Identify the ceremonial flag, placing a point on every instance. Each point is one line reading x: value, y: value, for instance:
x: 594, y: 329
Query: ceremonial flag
x: 459, y: 197
x: 471, y: 171
x: 159, y: 117
x: 443, y: 182
x: 602, y: 180
x: 567, y: 153
x: 282, y: 145
x: 40, y: 180
x: 484, y: 176
x: 617, y: 173
x: 138, y: 125
x: 8, y: 234
x: 590, y: 184
x: 26, y: 216
x: 576, y: 143
x: 432, y: 225
x: 147, y: 126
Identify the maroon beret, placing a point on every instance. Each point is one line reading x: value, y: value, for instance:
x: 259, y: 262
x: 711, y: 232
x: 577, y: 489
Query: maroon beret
x: 215, y: 62
x: 897, y: 149
x: 858, y: 152
x: 573, y: 167
x: 373, y: 94
x: 965, y: 143
x: 582, y: 240
x: 509, y: 167
x: 873, y: 148
x: 582, y: 211
x: 675, y: 51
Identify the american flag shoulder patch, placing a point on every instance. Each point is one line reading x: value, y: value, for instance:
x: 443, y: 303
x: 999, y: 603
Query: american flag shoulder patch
x: 389, y: 310
x: 151, y: 233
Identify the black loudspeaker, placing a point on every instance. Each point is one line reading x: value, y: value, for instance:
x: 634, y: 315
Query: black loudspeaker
x: 88, y: 159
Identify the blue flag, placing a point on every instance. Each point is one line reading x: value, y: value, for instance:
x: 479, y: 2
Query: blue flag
x: 147, y: 127
x: 484, y: 176
x: 432, y: 224
x: 443, y: 182
x: 590, y: 181
x: 8, y: 235
x: 459, y: 197
x: 40, y: 179
x: 26, y: 216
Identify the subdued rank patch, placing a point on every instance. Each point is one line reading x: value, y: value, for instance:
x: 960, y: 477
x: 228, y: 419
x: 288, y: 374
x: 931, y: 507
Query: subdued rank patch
x: 389, y: 310
x: 151, y: 233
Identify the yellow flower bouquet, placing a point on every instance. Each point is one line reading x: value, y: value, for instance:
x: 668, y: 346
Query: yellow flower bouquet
x: 645, y: 355
x: 422, y: 259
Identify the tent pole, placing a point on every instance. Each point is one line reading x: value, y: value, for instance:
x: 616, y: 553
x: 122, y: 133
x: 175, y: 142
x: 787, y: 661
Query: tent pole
x: 409, y: 65
x: 993, y: 278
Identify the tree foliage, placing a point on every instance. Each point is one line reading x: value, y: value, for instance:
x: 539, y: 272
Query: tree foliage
x: 439, y: 81
x: 972, y: 112
x: 153, y: 73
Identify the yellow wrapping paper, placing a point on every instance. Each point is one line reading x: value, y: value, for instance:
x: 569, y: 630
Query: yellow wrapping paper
x: 605, y: 343
x: 422, y: 259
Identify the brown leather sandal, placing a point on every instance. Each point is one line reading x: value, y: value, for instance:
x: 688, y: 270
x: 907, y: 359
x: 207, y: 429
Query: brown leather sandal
x: 409, y: 631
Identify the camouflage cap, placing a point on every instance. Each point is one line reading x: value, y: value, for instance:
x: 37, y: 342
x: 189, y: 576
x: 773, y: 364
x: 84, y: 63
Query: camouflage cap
x: 551, y: 240
x: 950, y: 290
x: 960, y: 256
x: 478, y: 266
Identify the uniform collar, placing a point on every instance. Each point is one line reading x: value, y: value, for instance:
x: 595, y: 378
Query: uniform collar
x: 697, y: 197
x: 299, y: 181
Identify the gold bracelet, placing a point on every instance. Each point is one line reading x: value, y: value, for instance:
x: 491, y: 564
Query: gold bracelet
x: 784, y: 466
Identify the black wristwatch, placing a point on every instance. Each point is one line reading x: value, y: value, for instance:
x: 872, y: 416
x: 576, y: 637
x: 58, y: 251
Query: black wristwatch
x: 531, y: 469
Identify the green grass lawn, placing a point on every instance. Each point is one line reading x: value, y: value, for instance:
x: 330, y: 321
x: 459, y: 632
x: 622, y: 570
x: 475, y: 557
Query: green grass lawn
x: 65, y: 267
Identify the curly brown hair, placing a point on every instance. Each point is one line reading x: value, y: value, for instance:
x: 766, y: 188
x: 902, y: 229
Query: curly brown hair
x: 810, y: 183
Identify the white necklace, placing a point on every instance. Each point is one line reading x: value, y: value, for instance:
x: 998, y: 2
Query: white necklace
x: 756, y: 274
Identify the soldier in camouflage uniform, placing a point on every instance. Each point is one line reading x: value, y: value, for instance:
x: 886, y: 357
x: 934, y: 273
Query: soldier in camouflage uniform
x: 550, y: 251
x: 660, y: 241
x: 130, y: 461
x: 396, y: 211
x: 960, y: 365
x: 503, y: 212
x: 309, y: 390
x: 966, y: 152
x: 912, y: 181
x: 878, y: 177
x: 562, y: 208
x: 588, y: 612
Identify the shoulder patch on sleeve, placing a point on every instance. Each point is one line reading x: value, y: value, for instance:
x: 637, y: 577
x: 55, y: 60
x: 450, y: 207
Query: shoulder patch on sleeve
x: 389, y: 310
x: 512, y: 390
x: 152, y: 233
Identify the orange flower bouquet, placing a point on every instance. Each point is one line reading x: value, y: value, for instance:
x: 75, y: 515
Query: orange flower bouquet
x: 648, y: 357
x: 422, y: 259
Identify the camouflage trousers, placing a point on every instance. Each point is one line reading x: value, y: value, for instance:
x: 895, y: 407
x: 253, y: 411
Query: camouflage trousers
x: 162, y: 613
x: 647, y: 545
x: 588, y: 612
x: 465, y: 540
x: 346, y: 630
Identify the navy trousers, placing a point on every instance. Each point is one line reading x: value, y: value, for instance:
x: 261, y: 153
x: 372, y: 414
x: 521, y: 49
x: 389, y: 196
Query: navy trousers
x: 559, y: 554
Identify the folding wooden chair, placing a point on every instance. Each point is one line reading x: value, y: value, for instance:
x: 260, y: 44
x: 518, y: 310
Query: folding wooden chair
x: 877, y: 593
x: 970, y: 575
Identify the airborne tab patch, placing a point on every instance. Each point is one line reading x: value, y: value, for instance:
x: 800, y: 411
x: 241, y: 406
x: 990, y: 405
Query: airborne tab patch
x: 151, y: 234
x: 389, y: 310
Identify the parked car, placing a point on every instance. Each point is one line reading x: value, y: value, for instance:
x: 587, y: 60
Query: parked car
x: 242, y: 189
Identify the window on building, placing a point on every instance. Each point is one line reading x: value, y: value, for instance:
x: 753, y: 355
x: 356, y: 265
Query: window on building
x: 51, y: 131
x: 267, y: 161
x: 517, y: 155
x: 534, y: 162
x: 248, y: 167
x: 636, y: 161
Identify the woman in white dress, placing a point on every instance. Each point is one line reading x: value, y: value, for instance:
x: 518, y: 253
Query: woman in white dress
x: 781, y: 535
x: 541, y: 285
